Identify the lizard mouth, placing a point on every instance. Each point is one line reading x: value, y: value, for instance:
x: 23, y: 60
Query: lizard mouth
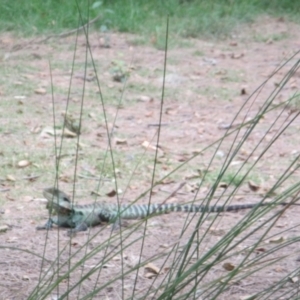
x: 57, y: 201
x: 58, y: 207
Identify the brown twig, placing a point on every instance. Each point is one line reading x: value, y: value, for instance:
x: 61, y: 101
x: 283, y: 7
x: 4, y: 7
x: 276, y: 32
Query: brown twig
x: 62, y: 35
x: 170, y: 123
x: 68, y: 33
x: 174, y: 192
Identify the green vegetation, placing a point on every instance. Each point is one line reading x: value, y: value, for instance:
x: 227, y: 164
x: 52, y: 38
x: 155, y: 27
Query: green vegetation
x: 208, y: 256
x: 188, y: 18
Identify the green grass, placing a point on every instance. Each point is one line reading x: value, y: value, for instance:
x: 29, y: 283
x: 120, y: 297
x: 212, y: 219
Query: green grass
x: 187, y: 18
x: 270, y: 37
x: 232, y: 177
x: 227, y: 75
x: 221, y: 93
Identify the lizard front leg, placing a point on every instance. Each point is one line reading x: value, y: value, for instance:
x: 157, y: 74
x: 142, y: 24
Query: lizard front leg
x: 48, y: 225
x: 60, y: 221
x: 79, y: 227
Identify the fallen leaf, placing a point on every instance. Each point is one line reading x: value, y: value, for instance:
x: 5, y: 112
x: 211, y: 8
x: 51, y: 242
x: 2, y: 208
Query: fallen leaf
x: 23, y: 163
x: 171, y: 111
x: 193, y: 175
x: 253, y: 186
x: 200, y: 131
x: 3, y: 228
x: 236, y: 56
x: 277, y: 240
x: 244, y: 152
x: 72, y: 124
x: 223, y: 185
x: 50, y: 131
x: 144, y: 98
x: 121, y: 141
x: 167, y: 181
x: 279, y: 270
x: 92, y: 116
x: 267, y: 192
x: 228, y: 266
x: 182, y: 158
x: 225, y: 125
x: 147, y: 145
x: 28, y: 198
x: 69, y: 133
x: 294, y: 279
x: 10, y: 198
x: 87, y: 78
x: 65, y: 178
x: 236, y: 162
x: 191, y: 188
x: 36, y: 129
x: 260, y: 250
x: 32, y: 178
x: 165, y: 167
x: 243, y: 91
x: 95, y: 193
x: 269, y: 41
x: 149, y: 275
x: 42, y: 200
x: 10, y: 178
x: 281, y: 225
x: 40, y: 91
x: 196, y: 152
x: 220, y: 153
x: 12, y: 239
x: 20, y: 97
x: 248, y: 297
x: 133, y: 187
x: 111, y: 193
x: 149, y: 114
x: 150, y: 267
x: 36, y: 55
x: 74, y: 243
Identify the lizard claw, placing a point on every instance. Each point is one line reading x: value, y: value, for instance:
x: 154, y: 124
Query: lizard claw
x: 48, y: 225
x: 79, y: 227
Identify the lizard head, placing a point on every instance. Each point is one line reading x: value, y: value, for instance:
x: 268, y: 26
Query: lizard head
x: 57, y: 200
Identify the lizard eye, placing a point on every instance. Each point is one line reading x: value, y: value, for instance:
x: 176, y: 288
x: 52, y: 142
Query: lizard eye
x: 66, y: 199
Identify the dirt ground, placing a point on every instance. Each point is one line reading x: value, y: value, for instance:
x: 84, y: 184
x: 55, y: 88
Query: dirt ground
x: 206, y: 84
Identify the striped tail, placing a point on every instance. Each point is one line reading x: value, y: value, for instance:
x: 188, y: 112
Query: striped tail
x: 142, y: 211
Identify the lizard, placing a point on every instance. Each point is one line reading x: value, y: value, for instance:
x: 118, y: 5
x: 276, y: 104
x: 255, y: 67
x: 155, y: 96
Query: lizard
x: 80, y: 217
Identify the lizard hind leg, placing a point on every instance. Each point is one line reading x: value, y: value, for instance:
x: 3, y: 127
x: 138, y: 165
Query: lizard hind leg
x: 48, y: 225
x: 116, y: 224
x: 80, y: 227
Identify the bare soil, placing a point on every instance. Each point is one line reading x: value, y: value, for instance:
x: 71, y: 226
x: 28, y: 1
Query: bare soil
x: 206, y: 84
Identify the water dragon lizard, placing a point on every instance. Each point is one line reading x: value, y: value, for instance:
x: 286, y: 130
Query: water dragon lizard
x: 80, y: 217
